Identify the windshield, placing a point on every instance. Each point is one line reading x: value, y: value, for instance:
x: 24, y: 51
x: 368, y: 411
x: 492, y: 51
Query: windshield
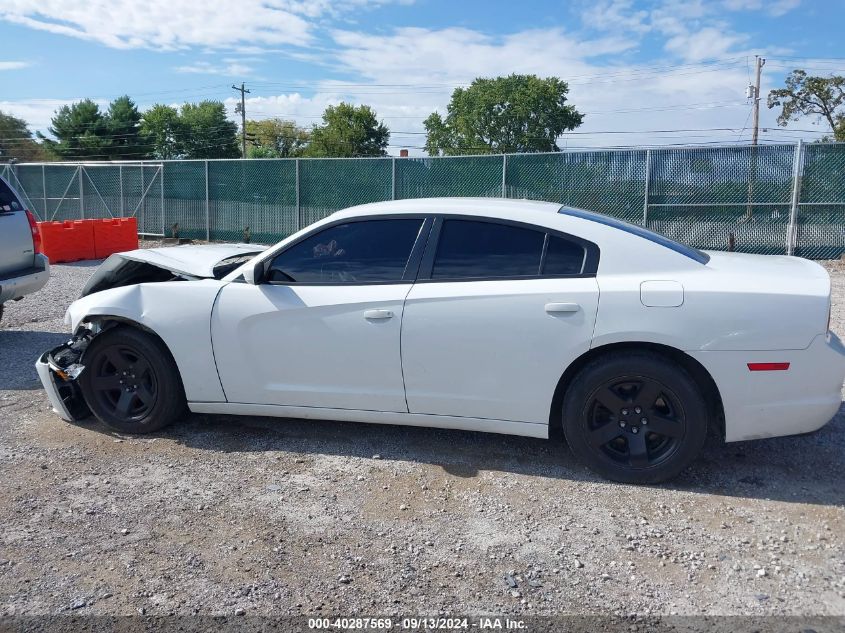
x: 651, y: 236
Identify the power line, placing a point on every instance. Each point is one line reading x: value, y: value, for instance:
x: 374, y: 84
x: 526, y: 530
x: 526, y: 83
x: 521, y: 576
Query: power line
x: 744, y: 125
x: 731, y: 130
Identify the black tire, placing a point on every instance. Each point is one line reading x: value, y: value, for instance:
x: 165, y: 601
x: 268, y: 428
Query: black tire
x: 635, y: 417
x: 1, y: 311
x: 131, y: 382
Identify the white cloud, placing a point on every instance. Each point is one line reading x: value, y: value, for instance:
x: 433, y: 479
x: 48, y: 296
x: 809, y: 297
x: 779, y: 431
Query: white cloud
x: 228, y: 68
x: 772, y: 7
x: 707, y: 43
x: 458, y: 55
x: 179, y: 24
x: 407, y: 73
x: 616, y: 15
x: 14, y: 65
x: 411, y: 72
x: 38, y: 112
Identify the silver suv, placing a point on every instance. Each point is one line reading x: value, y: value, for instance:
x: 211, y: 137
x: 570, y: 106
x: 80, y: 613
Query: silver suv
x: 23, y: 268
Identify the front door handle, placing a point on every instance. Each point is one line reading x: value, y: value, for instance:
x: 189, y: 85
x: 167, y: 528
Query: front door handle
x: 378, y: 314
x: 562, y: 307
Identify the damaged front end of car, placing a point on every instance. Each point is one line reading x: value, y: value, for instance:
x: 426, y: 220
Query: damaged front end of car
x: 99, y: 308
x: 59, y: 369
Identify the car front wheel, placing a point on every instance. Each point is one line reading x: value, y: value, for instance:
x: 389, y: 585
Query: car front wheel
x: 635, y: 417
x: 131, y: 382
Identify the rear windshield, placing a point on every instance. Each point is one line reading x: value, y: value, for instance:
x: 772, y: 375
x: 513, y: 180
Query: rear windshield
x: 651, y: 236
x: 8, y: 200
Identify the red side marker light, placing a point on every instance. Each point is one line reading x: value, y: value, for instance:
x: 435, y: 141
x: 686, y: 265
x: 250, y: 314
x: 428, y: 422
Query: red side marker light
x: 768, y: 366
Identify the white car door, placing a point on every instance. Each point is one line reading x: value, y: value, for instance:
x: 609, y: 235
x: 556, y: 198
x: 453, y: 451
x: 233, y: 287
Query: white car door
x: 322, y: 328
x: 498, y: 312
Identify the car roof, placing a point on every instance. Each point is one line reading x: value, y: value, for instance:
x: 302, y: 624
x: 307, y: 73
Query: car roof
x: 466, y: 206
x: 588, y: 225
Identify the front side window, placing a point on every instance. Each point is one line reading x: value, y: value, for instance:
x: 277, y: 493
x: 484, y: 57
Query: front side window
x: 471, y: 249
x: 355, y: 252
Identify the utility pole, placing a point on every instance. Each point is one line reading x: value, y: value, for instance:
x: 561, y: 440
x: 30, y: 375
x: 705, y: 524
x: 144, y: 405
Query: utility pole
x: 759, y: 62
x: 242, y: 109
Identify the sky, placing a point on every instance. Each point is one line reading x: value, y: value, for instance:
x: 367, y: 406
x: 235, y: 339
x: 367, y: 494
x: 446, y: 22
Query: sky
x: 644, y: 72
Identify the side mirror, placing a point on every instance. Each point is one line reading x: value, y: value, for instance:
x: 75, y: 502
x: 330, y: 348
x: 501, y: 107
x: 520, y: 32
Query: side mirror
x: 252, y: 274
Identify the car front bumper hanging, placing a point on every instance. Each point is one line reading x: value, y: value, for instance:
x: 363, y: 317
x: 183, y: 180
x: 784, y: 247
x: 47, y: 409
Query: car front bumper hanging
x: 58, y: 370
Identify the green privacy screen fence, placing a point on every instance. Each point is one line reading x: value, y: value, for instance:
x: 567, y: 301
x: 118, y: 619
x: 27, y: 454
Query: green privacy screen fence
x: 765, y: 199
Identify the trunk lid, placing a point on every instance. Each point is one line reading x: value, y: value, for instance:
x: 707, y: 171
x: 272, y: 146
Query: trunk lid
x: 787, y: 273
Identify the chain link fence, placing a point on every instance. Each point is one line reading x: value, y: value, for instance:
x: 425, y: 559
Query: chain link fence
x: 772, y: 199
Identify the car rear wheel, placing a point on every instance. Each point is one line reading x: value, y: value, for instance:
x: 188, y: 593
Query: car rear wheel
x: 131, y: 382
x: 635, y: 417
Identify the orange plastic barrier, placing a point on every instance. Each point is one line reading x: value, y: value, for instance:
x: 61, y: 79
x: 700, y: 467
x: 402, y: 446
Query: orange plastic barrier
x: 114, y: 236
x: 73, y: 240
x: 68, y: 241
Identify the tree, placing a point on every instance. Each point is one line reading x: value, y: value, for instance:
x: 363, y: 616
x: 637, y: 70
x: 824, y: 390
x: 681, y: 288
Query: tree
x: 518, y: 113
x: 163, y: 130
x: 16, y: 140
x: 81, y: 132
x: 275, y: 138
x: 348, y: 131
x: 206, y: 132
x: 806, y: 95
x: 123, y: 124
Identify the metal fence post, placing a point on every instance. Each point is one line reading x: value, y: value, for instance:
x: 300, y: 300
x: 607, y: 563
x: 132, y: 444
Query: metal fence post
x: 207, y: 207
x: 393, y: 178
x: 142, y: 203
x: 44, y: 189
x: 298, y: 207
x: 647, y: 185
x: 161, y: 189
x: 120, y: 181
x: 81, y: 194
x: 797, y: 169
x: 504, y: 175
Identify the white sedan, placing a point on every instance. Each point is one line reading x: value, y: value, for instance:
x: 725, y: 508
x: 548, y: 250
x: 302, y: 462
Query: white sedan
x: 507, y: 316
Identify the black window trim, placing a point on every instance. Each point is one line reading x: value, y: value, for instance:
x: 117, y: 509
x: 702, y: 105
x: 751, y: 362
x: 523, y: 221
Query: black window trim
x: 589, y: 266
x: 409, y: 275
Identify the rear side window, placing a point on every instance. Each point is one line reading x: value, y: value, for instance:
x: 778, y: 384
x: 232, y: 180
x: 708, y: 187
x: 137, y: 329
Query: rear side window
x: 563, y: 257
x: 469, y: 249
x: 355, y: 252
x: 8, y: 200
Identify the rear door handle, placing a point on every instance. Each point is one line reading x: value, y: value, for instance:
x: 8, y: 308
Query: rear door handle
x: 562, y: 307
x: 378, y: 314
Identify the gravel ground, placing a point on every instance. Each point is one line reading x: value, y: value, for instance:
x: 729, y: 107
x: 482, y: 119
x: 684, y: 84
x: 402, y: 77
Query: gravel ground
x: 224, y: 515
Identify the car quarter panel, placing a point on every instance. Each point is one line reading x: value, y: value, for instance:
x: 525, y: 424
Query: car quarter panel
x: 179, y: 312
x: 739, y: 302
x: 760, y: 404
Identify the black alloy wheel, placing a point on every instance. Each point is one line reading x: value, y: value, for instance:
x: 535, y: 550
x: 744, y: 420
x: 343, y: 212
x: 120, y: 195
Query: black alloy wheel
x: 636, y: 421
x: 635, y: 417
x: 131, y: 382
x: 123, y: 382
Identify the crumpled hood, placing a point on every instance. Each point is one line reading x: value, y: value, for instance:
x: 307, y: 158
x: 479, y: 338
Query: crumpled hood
x: 197, y: 260
x: 193, y: 261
